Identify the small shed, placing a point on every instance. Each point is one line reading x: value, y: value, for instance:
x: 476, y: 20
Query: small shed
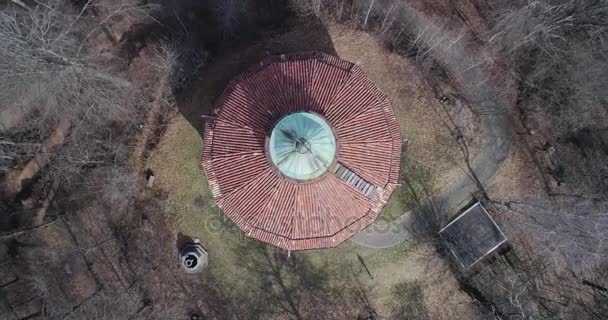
x: 472, y: 235
x: 193, y: 257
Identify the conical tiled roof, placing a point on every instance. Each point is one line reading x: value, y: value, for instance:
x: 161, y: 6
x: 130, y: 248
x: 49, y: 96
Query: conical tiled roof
x: 302, y: 212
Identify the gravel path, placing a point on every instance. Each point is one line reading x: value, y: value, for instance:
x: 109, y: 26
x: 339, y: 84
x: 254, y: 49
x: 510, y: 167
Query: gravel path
x: 495, y: 130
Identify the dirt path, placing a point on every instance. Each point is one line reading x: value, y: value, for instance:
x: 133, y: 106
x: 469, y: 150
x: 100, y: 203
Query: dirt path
x: 469, y: 70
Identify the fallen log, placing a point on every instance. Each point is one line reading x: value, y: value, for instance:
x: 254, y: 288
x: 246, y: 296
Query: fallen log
x: 18, y: 178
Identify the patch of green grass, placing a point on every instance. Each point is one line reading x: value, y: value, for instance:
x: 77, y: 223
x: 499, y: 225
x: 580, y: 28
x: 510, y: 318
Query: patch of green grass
x: 350, y: 258
x: 416, y: 181
x: 192, y: 212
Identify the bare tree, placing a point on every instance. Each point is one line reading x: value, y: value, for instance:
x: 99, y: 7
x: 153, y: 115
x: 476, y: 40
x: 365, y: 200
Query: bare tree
x: 229, y: 14
x: 562, y: 49
x: 117, y: 12
x: 558, y: 49
x: 114, y: 186
x: 52, y: 86
x: 307, y: 8
x: 572, y: 234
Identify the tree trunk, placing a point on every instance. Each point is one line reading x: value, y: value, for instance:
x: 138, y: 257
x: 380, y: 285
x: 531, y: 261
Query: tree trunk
x: 368, y: 12
x: 19, y: 178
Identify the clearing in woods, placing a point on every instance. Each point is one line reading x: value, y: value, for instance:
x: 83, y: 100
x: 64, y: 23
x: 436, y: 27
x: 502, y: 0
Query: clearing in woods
x: 431, y: 151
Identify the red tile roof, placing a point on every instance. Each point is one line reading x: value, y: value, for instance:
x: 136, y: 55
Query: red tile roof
x: 312, y: 214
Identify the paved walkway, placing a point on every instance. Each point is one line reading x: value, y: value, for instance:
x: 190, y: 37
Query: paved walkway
x: 495, y: 129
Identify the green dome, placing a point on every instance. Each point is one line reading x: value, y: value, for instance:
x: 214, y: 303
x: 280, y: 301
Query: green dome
x: 302, y: 146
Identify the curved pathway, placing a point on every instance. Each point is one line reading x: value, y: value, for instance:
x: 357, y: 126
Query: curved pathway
x: 495, y: 129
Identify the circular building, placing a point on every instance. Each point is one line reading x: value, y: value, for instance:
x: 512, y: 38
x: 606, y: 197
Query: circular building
x: 302, y: 151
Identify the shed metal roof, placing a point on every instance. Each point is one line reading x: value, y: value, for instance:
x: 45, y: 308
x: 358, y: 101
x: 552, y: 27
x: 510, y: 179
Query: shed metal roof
x: 472, y: 235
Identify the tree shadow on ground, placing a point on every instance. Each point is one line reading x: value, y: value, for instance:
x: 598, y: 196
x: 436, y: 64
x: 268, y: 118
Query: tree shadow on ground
x: 183, y: 240
x: 214, y: 41
x: 197, y: 98
x: 292, y: 286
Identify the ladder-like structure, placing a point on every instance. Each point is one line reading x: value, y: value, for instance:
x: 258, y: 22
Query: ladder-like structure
x: 354, y: 180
